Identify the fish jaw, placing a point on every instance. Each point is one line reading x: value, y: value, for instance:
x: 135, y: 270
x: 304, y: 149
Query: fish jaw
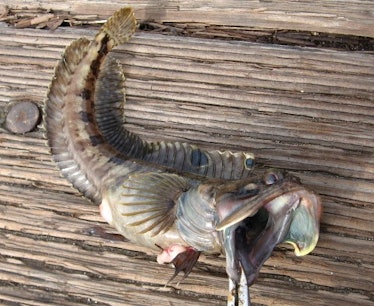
x: 282, y: 211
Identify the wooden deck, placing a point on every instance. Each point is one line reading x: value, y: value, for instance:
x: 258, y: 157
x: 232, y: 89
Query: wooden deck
x: 308, y: 110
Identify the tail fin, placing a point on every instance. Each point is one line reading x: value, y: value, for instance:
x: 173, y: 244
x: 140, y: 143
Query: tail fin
x: 121, y: 26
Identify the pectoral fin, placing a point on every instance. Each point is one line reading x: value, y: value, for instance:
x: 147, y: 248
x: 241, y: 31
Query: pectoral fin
x: 147, y: 201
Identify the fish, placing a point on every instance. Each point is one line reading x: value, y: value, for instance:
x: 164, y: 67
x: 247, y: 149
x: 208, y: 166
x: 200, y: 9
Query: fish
x: 171, y: 197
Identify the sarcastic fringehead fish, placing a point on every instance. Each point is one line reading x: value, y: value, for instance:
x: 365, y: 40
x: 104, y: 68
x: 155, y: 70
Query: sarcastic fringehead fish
x: 169, y: 196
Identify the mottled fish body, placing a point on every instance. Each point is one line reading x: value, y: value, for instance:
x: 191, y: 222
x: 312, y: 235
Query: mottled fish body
x: 172, y: 196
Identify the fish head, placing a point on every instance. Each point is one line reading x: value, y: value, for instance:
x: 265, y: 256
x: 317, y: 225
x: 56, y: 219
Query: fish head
x: 256, y: 215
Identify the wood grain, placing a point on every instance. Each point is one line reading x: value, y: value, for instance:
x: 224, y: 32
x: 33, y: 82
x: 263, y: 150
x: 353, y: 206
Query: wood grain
x: 351, y: 17
x: 310, y: 111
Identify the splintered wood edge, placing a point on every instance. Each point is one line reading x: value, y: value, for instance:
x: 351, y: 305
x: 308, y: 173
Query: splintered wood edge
x: 354, y: 18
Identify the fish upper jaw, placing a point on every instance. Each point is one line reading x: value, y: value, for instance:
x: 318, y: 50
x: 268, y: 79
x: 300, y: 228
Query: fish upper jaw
x: 251, y: 226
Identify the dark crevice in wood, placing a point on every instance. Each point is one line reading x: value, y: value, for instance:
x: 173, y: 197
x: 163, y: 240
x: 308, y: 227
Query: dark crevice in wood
x: 43, y: 266
x: 315, y: 287
x: 68, y: 297
x: 52, y: 19
x: 81, y: 244
x: 360, y: 235
x: 264, y: 36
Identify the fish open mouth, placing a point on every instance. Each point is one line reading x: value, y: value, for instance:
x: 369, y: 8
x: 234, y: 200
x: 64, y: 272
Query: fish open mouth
x: 281, y: 211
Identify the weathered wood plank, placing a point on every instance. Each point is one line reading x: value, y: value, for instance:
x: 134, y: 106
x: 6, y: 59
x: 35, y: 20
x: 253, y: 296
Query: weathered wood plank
x: 307, y: 110
x: 353, y: 17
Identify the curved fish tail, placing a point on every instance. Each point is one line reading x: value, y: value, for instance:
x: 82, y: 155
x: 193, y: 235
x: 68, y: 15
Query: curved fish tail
x: 75, y: 140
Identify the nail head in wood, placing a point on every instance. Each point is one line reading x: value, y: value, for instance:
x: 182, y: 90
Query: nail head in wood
x: 22, y: 117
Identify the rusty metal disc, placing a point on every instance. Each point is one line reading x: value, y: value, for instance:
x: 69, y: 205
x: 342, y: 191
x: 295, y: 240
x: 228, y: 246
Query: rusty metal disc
x: 22, y: 117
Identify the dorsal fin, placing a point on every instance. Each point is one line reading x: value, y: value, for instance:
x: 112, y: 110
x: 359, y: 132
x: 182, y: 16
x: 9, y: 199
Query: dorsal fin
x: 109, y: 105
x: 57, y: 124
x: 183, y: 157
x: 73, y: 136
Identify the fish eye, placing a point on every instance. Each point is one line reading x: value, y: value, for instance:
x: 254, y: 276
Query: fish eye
x: 271, y: 178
